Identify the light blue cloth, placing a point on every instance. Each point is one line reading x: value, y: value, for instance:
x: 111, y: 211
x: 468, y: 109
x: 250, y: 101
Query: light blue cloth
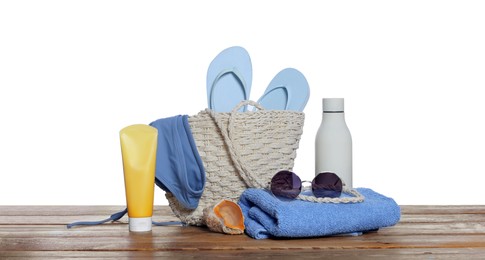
x: 266, y: 216
x: 179, y: 168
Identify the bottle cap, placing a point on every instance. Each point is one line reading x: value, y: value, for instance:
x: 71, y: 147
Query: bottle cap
x: 333, y: 104
x: 140, y: 224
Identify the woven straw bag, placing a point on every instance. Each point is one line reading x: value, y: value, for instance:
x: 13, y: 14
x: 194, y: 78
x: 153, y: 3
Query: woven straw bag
x: 240, y: 150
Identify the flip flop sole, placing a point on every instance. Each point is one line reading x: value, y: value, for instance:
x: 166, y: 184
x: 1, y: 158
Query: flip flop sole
x: 288, y: 90
x: 229, y: 79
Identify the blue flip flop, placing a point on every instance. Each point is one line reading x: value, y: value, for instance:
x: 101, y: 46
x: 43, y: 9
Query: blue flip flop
x: 288, y: 90
x: 229, y: 79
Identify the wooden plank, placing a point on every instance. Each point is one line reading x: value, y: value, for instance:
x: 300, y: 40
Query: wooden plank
x: 448, y: 218
x: 194, y: 238
x: 165, y: 210
x: 361, y: 254
x: 114, y: 229
x: 109, y: 209
x: 160, y: 244
x: 442, y: 209
x: 424, y: 232
x: 446, y: 229
x: 73, y: 210
x: 64, y: 220
x: 63, y: 215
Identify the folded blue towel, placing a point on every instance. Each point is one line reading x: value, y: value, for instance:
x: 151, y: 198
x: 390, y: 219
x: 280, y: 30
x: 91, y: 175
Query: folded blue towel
x: 266, y: 216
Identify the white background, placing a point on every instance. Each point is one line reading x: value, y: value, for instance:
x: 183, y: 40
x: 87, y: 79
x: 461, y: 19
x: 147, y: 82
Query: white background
x: 73, y: 73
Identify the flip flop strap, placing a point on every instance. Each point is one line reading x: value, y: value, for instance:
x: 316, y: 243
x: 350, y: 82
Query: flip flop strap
x: 236, y: 73
x: 285, y: 89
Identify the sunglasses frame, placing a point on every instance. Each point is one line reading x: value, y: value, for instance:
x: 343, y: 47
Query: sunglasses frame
x: 330, y: 189
x: 354, y: 196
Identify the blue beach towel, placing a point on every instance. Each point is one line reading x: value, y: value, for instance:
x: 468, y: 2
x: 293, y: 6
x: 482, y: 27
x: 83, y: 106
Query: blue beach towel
x: 179, y: 168
x: 266, y: 216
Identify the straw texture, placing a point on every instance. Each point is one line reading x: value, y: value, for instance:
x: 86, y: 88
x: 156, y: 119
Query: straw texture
x: 240, y: 150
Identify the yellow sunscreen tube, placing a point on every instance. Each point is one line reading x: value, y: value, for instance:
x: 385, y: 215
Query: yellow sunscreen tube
x: 138, y: 149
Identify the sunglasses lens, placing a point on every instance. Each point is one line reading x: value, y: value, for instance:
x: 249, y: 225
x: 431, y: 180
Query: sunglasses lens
x: 286, y: 184
x: 327, y: 184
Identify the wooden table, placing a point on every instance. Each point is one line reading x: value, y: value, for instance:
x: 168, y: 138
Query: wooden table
x: 424, y: 232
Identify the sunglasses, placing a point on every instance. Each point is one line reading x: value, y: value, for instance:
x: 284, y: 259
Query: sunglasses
x: 287, y: 184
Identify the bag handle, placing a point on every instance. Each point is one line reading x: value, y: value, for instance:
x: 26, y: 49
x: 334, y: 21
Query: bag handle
x: 227, y: 134
x: 245, y: 103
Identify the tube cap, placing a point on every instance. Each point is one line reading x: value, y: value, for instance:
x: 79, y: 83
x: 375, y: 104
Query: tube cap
x: 140, y: 224
x: 333, y: 104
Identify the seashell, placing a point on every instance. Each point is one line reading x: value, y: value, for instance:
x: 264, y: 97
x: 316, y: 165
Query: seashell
x: 224, y: 217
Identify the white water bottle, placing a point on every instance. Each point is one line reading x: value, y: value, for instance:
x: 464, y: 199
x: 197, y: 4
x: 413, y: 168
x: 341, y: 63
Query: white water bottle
x: 333, y: 143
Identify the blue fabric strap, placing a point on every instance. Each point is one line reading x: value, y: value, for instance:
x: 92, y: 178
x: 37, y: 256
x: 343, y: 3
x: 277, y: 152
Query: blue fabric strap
x: 113, y: 217
x: 116, y: 217
x: 168, y: 223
